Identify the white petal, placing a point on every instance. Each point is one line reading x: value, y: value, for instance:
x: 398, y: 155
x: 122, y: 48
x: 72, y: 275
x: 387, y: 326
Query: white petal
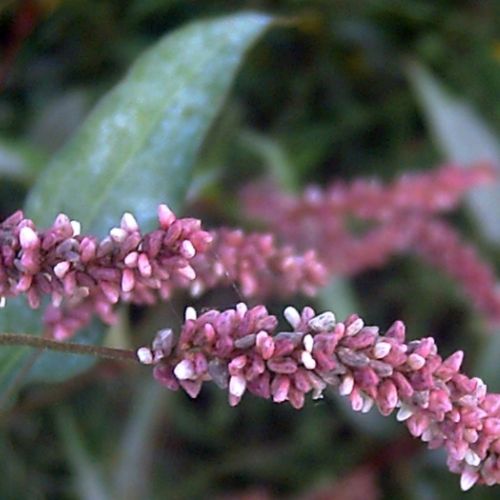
x: 145, y: 355
x: 190, y: 313
x: 237, y: 385
x: 184, y: 370
x: 323, y: 322
x: 381, y: 349
x: 27, y: 237
x: 415, y: 361
x: 307, y: 360
x: 187, y: 249
x: 292, y: 316
x: 308, y: 342
x: 468, y: 478
x: 61, y: 269
x: 367, y: 405
x: 346, y: 386
x: 404, y: 413
x: 355, y: 327
x: 77, y: 227
x: 129, y: 223
x: 118, y: 234
x: 472, y: 458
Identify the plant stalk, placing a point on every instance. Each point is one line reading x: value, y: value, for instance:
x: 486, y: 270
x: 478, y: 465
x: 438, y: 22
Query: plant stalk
x: 22, y: 339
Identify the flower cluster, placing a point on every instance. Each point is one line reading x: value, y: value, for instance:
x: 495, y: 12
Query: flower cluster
x: 401, y: 217
x: 84, y: 276
x: 72, y: 268
x: 438, y: 190
x: 258, y: 266
x: 242, y: 350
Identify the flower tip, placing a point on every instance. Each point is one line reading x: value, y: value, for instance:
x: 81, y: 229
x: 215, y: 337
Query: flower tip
x: 355, y: 327
x: 292, y: 316
x: 61, y: 220
x: 77, y: 227
x: 472, y: 458
x: 129, y: 223
x: 381, y: 349
x: 241, y: 309
x: 128, y: 280
x: 346, y: 386
x: 61, y: 269
x: 323, y: 322
x: 118, y: 234
x: 307, y: 360
x: 415, y: 361
x: 28, y: 238
x: 188, y: 272
x: 165, y: 216
x: 237, y: 386
x: 145, y: 356
x: 308, y: 342
x: 404, y: 413
x: 187, y: 249
x: 190, y: 314
x: 468, y: 478
x: 184, y: 370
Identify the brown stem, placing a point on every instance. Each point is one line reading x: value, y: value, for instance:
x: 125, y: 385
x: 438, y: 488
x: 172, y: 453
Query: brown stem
x: 22, y: 339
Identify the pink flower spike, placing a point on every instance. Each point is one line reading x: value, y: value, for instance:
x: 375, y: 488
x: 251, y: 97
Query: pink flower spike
x: 456, y: 413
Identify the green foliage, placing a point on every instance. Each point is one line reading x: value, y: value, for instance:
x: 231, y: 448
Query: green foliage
x: 137, y: 148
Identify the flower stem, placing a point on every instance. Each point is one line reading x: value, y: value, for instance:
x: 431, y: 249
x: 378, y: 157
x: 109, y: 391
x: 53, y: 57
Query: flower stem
x: 22, y: 339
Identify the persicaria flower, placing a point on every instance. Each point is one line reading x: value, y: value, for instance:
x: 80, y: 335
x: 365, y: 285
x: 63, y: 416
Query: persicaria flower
x: 257, y: 265
x: 400, y: 218
x: 242, y: 350
x: 85, y: 276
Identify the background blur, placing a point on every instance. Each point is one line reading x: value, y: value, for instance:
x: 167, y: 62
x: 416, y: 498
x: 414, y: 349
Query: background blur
x: 331, y: 96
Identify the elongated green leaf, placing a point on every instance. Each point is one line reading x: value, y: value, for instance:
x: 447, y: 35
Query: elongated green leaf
x: 137, y: 148
x: 463, y: 137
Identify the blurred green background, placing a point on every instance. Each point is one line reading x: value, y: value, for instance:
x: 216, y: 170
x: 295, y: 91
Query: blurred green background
x: 329, y: 94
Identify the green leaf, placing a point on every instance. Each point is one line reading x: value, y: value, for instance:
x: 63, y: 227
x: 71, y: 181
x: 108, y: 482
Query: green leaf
x: 136, y: 149
x: 138, y: 146
x: 463, y: 137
